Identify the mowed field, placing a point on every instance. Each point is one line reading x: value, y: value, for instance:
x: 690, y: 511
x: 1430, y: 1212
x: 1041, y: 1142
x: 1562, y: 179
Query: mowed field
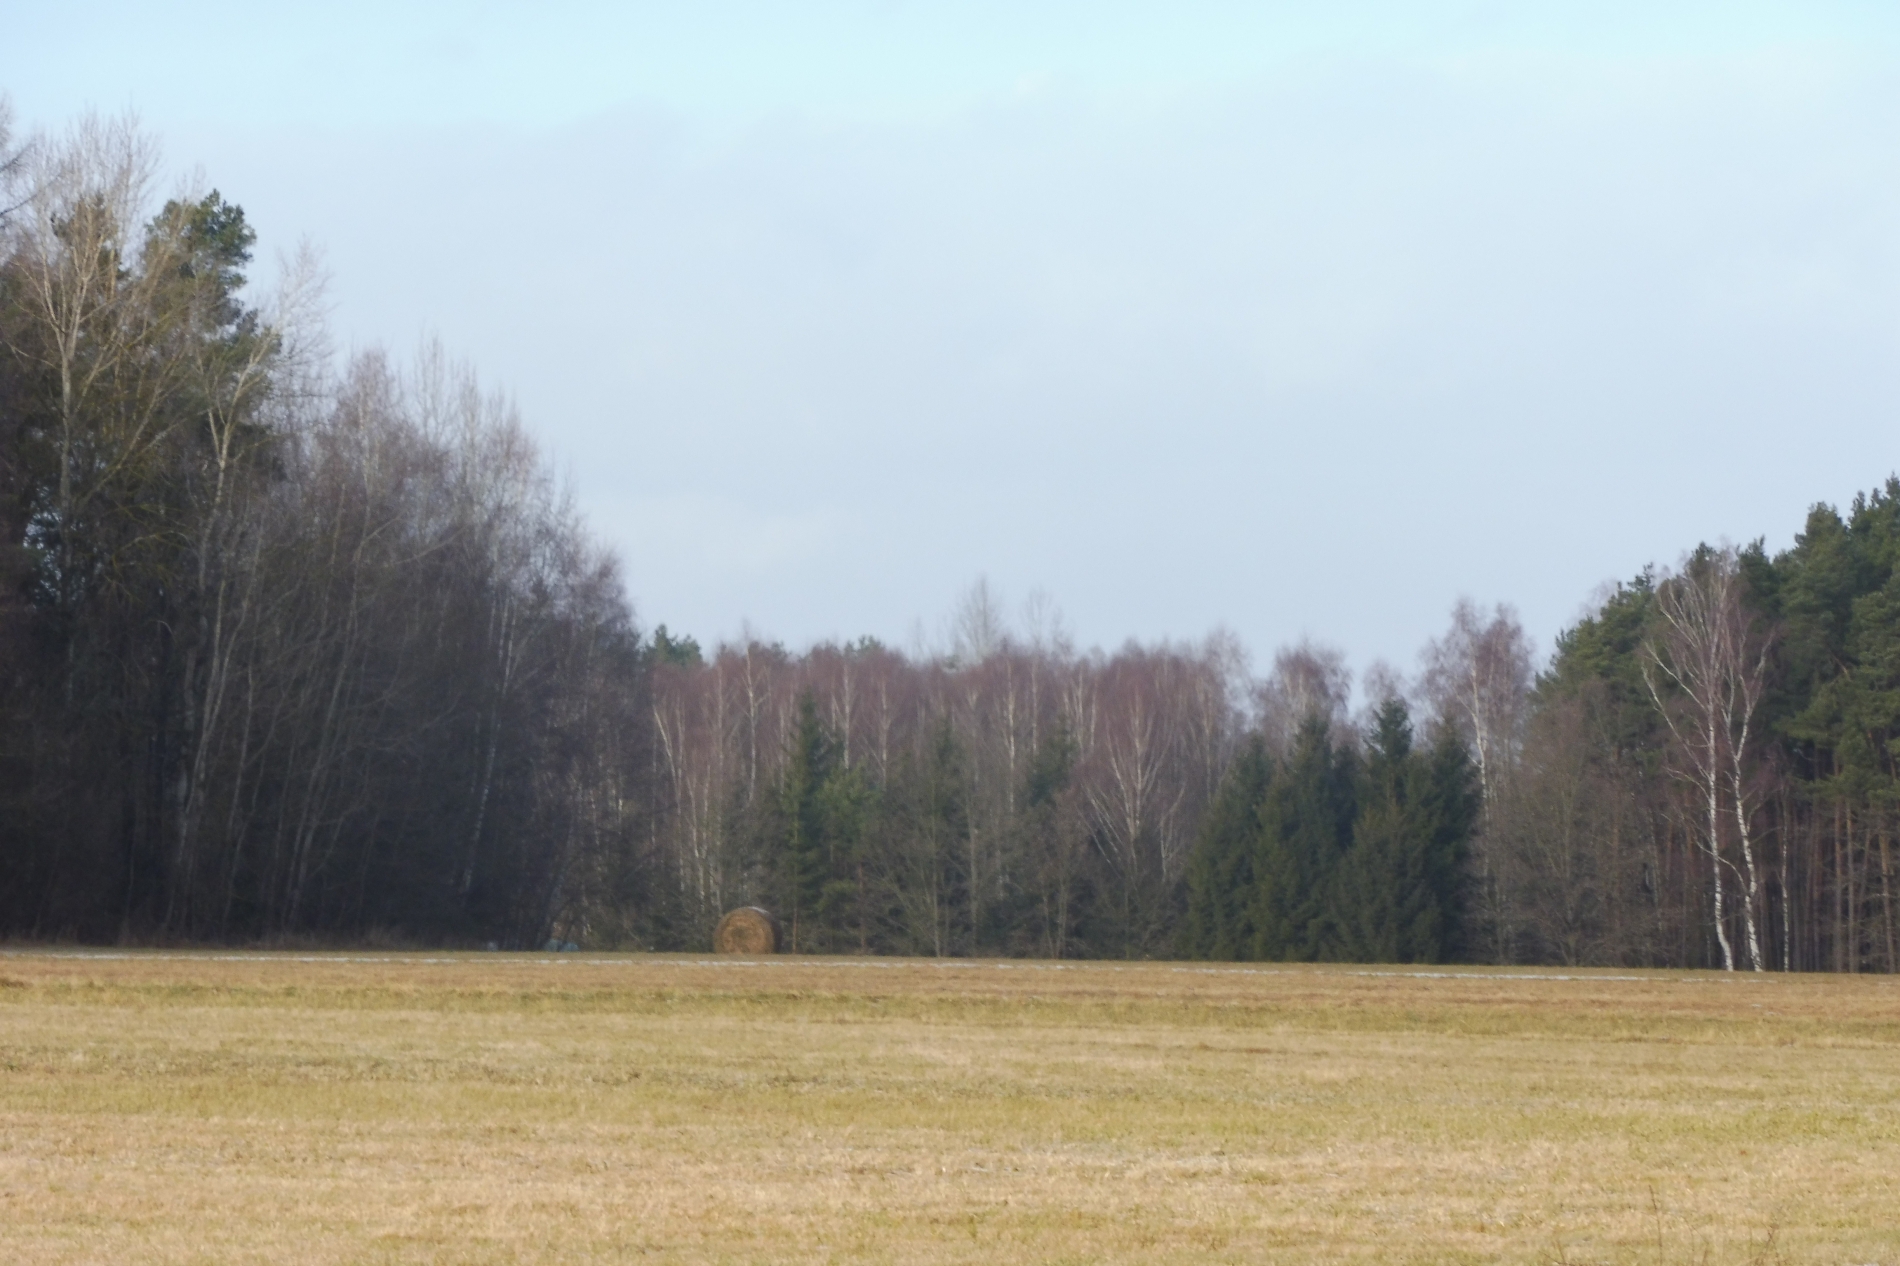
x: 577, y: 1108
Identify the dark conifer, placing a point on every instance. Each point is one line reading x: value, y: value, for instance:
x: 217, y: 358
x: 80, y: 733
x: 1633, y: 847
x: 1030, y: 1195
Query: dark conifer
x: 1305, y: 828
x: 1221, y: 882
x: 803, y: 860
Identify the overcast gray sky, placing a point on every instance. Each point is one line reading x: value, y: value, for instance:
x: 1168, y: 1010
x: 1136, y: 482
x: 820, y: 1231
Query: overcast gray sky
x: 1296, y: 319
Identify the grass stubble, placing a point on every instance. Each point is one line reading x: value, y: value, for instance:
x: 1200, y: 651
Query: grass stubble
x: 574, y: 1108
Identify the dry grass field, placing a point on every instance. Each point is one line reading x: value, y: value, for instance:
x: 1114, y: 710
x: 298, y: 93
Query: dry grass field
x: 571, y: 1108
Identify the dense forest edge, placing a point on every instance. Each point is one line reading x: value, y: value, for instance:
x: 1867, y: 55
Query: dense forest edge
x: 301, y: 649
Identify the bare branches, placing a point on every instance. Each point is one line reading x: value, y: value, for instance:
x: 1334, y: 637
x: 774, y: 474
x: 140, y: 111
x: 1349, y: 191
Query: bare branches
x: 1308, y: 680
x: 1706, y: 668
x: 1477, y: 679
x: 13, y: 161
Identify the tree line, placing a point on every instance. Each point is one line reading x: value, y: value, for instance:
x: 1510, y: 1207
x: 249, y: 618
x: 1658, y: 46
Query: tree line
x: 1706, y: 773
x: 294, y: 647
x: 1011, y: 795
x: 290, y: 649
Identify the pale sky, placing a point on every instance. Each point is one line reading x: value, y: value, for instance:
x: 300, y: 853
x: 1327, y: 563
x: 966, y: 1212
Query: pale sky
x: 1298, y: 320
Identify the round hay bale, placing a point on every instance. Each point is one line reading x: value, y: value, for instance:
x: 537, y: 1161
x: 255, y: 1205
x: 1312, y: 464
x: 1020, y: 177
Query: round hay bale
x: 747, y: 930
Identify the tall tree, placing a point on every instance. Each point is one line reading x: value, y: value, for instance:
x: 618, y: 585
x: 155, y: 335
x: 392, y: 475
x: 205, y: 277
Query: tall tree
x: 806, y: 850
x: 921, y: 863
x: 1305, y: 829
x: 1400, y: 890
x: 1706, y: 669
x: 1054, y: 842
x: 1221, y: 879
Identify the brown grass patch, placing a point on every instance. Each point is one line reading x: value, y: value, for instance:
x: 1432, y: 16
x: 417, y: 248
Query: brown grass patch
x: 509, y: 1108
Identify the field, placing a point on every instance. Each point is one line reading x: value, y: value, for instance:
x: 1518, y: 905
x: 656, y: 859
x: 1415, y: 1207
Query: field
x: 572, y: 1108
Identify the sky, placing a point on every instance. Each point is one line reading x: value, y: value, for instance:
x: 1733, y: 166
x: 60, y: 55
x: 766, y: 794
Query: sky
x: 1293, y: 320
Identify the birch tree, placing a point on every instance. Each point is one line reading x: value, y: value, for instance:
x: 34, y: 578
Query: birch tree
x: 1705, y: 666
x: 1478, y: 679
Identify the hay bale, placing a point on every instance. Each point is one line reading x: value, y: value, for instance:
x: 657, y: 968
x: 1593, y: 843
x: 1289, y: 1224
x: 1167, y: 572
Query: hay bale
x: 748, y: 930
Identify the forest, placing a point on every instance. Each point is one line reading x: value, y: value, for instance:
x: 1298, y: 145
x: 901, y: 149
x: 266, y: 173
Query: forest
x: 304, y: 649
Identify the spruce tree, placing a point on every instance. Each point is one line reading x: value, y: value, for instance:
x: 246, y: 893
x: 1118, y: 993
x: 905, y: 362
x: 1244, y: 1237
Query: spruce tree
x: 1400, y: 891
x: 847, y: 803
x: 923, y: 822
x: 1447, y: 807
x: 1053, y: 843
x: 1221, y: 884
x: 1305, y: 827
x: 803, y: 862
x: 1381, y: 883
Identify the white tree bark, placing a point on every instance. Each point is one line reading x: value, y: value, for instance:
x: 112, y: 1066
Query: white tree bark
x: 1705, y: 669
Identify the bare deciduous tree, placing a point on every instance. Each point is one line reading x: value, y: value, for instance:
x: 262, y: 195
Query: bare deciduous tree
x: 1308, y: 680
x: 1477, y: 678
x: 1706, y: 668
